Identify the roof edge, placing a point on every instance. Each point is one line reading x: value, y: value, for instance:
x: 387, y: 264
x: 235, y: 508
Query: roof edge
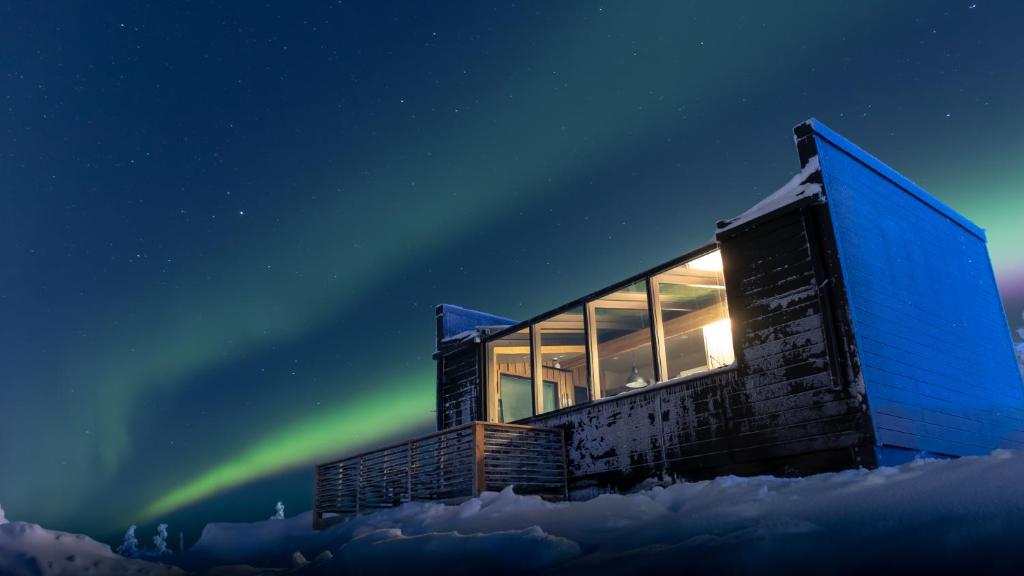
x: 816, y: 127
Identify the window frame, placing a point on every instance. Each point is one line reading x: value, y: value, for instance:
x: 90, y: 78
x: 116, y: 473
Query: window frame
x: 587, y: 303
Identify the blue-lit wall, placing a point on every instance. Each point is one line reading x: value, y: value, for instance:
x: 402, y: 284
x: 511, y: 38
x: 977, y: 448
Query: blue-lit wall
x: 931, y: 334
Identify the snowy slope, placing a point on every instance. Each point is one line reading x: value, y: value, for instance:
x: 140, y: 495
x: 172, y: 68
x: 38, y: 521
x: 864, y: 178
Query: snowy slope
x: 926, y: 515
x: 962, y: 515
x: 30, y: 550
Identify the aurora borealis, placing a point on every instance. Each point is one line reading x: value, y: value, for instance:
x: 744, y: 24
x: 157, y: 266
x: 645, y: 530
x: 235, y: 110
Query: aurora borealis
x: 224, y: 226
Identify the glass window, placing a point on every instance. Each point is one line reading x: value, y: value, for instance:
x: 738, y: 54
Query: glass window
x: 510, y: 377
x: 549, y: 396
x: 694, y: 318
x: 516, y: 398
x: 563, y: 361
x: 624, y: 356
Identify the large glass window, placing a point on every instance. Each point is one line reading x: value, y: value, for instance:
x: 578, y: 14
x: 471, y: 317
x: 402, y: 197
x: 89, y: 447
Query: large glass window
x: 674, y: 326
x: 694, y: 319
x: 510, y: 377
x: 515, y: 397
x: 563, y: 354
x: 624, y: 357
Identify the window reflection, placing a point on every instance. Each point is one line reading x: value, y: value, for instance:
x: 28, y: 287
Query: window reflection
x: 563, y: 360
x: 624, y: 357
x: 510, y: 396
x: 627, y: 339
x: 694, y: 318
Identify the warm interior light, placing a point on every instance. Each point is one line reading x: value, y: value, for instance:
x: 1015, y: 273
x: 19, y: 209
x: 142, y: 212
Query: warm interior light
x: 635, y: 380
x: 718, y: 343
x: 710, y: 261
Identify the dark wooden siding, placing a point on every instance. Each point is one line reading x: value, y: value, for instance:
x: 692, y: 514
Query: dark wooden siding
x: 790, y: 398
x: 930, y: 330
x: 678, y: 429
x: 791, y: 405
x: 459, y: 386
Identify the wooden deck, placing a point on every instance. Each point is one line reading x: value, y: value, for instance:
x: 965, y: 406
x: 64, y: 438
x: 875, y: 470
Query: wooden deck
x: 448, y: 466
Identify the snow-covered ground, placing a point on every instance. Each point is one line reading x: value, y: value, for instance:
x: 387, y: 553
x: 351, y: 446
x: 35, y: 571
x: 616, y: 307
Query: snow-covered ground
x: 937, y: 516
x: 28, y: 549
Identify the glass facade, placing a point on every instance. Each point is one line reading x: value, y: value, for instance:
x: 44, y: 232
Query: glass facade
x: 672, y: 324
x: 510, y: 377
x: 624, y: 357
x: 691, y: 308
x: 563, y: 352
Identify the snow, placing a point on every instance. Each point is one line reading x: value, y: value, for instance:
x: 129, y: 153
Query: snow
x: 928, y: 515
x: 964, y: 511
x: 803, y: 185
x: 28, y: 549
x: 278, y: 511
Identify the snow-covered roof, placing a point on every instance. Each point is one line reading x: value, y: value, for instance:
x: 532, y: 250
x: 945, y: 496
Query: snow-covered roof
x: 474, y: 334
x: 806, y: 184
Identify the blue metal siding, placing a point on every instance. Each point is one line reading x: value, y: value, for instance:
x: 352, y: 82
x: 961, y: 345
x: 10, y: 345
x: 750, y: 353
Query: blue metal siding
x: 934, y: 346
x: 454, y: 320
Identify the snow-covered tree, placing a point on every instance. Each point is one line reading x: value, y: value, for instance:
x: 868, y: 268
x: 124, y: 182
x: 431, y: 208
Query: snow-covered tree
x: 130, y: 546
x: 278, y: 511
x: 160, y: 540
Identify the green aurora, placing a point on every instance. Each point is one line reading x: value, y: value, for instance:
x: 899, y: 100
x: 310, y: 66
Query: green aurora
x: 225, y: 256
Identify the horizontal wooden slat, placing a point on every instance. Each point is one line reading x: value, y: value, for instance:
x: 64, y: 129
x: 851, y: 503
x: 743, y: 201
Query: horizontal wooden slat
x: 441, y: 467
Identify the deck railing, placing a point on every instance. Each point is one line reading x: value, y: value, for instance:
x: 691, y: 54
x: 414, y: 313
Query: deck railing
x: 449, y: 466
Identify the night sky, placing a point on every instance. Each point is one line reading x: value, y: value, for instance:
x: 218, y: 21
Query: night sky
x: 224, y: 227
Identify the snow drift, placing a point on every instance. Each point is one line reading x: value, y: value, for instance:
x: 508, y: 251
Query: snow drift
x: 30, y: 550
x: 929, y: 515
x: 925, y: 515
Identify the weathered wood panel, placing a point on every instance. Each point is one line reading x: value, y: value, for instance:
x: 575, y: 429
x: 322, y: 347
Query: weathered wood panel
x: 790, y: 398
x: 450, y: 466
x: 677, y: 429
x: 459, y: 371
x: 788, y: 407
x: 460, y: 387
x: 931, y: 335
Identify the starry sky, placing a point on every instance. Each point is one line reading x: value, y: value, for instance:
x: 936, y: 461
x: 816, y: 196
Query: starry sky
x: 224, y: 226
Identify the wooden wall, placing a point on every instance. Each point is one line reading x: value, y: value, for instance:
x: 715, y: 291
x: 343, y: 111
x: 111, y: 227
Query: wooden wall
x: 792, y: 404
x: 458, y: 356
x: 459, y: 386
x: 793, y: 398
x: 676, y: 429
x: 864, y: 324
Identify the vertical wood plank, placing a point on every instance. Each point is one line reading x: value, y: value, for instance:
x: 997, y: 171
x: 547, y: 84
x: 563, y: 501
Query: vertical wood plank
x: 590, y: 329
x: 408, y: 470
x: 479, y: 481
x: 657, y: 330
x: 359, y: 483
x: 565, y: 466
x: 536, y: 368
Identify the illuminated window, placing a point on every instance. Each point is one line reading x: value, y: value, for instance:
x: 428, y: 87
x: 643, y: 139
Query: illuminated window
x: 563, y: 361
x: 510, y: 377
x: 673, y: 324
x: 624, y: 357
x: 694, y: 319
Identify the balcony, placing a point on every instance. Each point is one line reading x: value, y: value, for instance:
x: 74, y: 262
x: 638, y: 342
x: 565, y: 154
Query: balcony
x: 448, y: 466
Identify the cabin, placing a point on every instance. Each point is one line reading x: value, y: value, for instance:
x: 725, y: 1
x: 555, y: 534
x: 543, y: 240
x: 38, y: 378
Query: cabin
x: 850, y: 319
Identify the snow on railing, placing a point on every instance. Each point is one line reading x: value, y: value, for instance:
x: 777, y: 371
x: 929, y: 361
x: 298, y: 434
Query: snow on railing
x: 448, y: 466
